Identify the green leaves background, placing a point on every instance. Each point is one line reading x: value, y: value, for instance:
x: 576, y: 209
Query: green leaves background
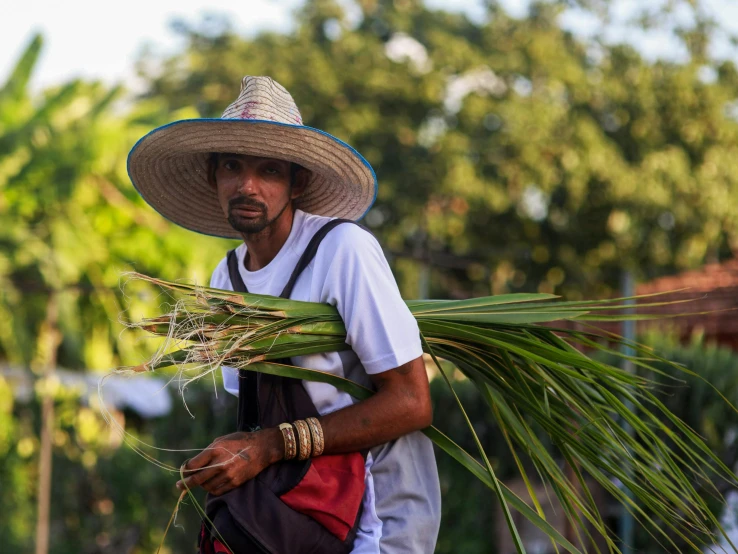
x: 558, y: 160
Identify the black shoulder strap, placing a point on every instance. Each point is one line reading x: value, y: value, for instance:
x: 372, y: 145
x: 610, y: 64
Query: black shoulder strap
x: 307, y: 257
x: 247, y: 417
x: 235, y: 275
x: 248, y: 398
x: 309, y: 253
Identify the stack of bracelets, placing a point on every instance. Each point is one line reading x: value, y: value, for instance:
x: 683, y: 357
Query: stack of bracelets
x: 303, y: 439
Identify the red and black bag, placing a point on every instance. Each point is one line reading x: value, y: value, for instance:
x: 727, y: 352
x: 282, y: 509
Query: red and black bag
x: 292, y: 507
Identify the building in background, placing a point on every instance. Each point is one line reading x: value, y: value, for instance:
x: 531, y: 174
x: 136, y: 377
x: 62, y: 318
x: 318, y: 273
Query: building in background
x: 709, y: 298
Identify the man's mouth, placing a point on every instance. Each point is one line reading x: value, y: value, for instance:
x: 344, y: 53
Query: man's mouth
x: 246, y: 210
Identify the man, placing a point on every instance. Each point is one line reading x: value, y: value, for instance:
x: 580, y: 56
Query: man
x: 258, y: 174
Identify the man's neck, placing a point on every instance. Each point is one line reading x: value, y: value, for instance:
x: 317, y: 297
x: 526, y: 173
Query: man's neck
x: 264, y: 246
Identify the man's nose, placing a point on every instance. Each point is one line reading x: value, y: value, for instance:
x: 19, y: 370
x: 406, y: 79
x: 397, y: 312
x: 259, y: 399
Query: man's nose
x: 247, y: 185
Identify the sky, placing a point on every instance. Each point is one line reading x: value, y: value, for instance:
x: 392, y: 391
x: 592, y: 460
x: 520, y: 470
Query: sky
x: 101, y: 40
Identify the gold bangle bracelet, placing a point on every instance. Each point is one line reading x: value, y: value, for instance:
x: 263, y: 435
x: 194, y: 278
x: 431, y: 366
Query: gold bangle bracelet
x: 290, y: 446
x: 305, y: 444
x: 316, y: 430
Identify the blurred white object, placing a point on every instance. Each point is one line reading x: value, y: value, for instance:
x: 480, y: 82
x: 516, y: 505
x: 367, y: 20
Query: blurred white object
x: 147, y: 396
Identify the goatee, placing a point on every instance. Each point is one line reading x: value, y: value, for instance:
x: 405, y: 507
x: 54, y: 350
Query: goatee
x: 256, y: 223
x: 247, y: 225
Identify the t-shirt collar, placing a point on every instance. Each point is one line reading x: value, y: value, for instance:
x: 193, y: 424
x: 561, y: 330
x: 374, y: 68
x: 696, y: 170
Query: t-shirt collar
x: 260, y: 275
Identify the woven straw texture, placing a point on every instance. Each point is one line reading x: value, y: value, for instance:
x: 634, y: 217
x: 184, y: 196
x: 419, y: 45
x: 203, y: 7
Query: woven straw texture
x: 168, y: 166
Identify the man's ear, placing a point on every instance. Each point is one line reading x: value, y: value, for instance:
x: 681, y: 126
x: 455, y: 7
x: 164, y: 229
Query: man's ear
x: 301, y: 180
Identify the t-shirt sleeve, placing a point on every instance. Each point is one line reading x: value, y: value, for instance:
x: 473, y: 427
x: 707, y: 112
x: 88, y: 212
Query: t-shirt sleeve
x: 220, y: 279
x: 358, y: 281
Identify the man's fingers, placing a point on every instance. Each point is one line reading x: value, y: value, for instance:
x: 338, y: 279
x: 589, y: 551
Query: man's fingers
x: 222, y: 488
x: 201, y: 460
x: 210, y: 480
x: 216, y: 483
x: 207, y: 464
x: 208, y: 469
x: 229, y: 436
x: 197, y: 479
x: 211, y: 455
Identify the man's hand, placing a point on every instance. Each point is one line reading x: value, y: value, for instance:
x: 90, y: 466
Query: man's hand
x: 401, y: 405
x: 232, y: 460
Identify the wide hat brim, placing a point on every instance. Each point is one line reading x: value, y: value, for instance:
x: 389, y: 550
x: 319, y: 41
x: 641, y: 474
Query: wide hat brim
x: 168, y: 167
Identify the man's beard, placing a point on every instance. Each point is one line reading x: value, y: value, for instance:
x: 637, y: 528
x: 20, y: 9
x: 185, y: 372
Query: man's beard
x: 255, y: 224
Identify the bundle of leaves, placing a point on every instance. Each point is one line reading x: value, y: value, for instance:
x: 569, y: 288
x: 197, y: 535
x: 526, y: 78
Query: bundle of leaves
x: 603, y: 422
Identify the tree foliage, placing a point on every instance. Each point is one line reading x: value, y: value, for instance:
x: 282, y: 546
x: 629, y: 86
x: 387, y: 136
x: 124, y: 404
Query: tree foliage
x: 512, y: 156
x: 72, y: 224
x: 510, y: 153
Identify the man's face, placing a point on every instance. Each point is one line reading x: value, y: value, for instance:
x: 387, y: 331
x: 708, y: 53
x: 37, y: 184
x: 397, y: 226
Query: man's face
x: 253, y: 191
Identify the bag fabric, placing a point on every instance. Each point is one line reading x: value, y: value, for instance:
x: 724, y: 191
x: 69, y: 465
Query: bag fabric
x: 311, y: 506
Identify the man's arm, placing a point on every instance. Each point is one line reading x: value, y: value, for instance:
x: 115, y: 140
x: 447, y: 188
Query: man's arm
x: 400, y: 406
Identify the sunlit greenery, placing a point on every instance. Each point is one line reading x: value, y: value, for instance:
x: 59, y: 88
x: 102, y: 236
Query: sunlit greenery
x: 516, y: 155
x: 512, y: 155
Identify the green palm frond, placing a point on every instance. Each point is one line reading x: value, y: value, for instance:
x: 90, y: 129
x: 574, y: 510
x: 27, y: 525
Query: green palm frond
x: 535, y: 379
x: 17, y: 82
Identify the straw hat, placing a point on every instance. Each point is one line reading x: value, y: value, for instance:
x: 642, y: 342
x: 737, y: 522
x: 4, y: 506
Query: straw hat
x: 168, y: 166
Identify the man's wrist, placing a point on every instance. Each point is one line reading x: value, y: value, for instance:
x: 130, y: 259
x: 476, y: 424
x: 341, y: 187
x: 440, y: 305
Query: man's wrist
x: 275, y: 444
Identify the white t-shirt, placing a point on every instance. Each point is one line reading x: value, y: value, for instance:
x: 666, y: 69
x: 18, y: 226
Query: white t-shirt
x: 350, y: 272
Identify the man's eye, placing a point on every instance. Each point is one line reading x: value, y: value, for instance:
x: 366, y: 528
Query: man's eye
x: 230, y: 165
x: 271, y: 170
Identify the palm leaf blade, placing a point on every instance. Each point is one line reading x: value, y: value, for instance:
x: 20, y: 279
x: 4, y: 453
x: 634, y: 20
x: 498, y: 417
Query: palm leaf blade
x: 533, y: 379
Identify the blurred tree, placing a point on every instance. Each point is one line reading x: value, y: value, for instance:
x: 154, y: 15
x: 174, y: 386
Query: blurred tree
x: 105, y: 498
x: 70, y: 227
x: 509, y: 151
x: 72, y: 223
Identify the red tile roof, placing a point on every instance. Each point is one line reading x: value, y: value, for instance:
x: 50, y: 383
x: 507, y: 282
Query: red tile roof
x: 712, y: 292
x: 709, y: 278
x: 711, y: 295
